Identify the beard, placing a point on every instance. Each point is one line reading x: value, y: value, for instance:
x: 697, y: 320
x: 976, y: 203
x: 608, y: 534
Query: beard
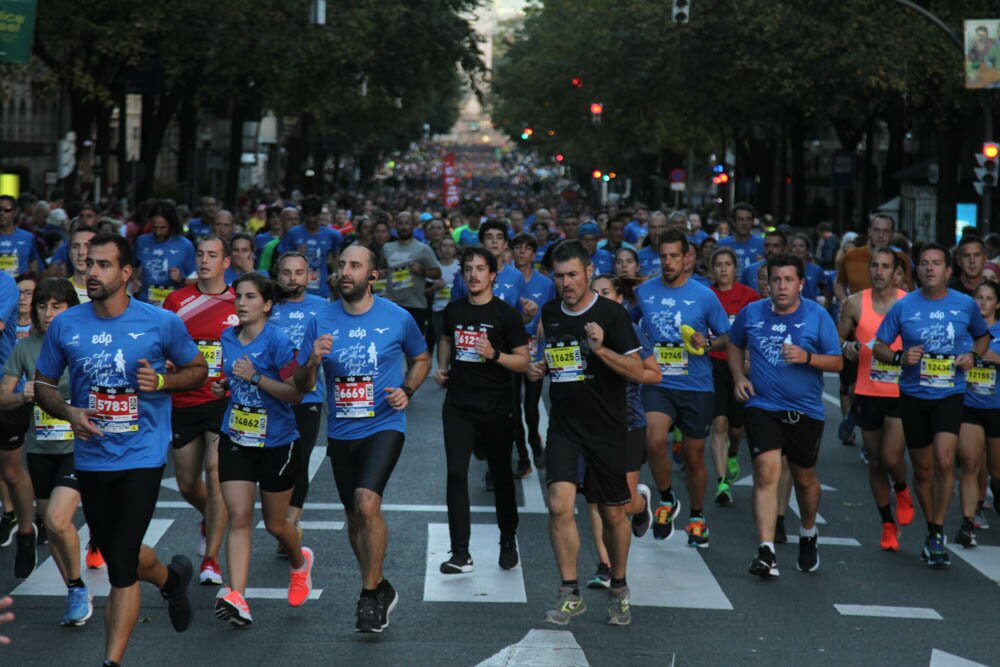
x: 353, y: 292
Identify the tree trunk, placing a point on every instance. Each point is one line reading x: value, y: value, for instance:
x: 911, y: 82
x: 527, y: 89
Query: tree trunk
x: 797, y: 136
x: 949, y: 140
x: 235, y: 152
x: 187, y: 148
x: 157, y: 112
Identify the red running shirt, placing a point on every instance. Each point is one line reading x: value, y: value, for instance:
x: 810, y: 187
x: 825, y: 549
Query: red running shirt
x: 733, y: 300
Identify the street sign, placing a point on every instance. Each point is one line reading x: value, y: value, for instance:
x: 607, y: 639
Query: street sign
x: 17, y: 30
x: 678, y: 187
x: 678, y: 175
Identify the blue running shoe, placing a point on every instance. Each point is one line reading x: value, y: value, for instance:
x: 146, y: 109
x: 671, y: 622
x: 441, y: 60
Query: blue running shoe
x: 79, y: 607
x: 937, y: 553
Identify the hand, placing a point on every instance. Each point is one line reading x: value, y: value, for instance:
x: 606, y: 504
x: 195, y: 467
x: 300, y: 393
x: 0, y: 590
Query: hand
x: 416, y: 268
x: 5, y: 603
x: 536, y: 371
x: 743, y: 389
x: 484, y: 348
x: 793, y: 354
x: 698, y: 340
x: 529, y: 308
x: 321, y: 347
x: 146, y: 376
x: 29, y: 391
x: 911, y: 356
x: 441, y: 376
x: 175, y: 275
x: 965, y: 361
x: 243, y: 368
x: 850, y: 350
x: 595, y: 335
x: 79, y: 420
x: 219, y: 388
x: 397, y: 398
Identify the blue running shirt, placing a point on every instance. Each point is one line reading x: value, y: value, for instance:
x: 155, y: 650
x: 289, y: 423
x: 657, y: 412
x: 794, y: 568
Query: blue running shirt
x: 779, y: 385
x: 981, y: 381
x: 156, y: 259
x: 946, y: 328
x: 316, y: 246
x: 292, y: 317
x: 103, y: 355
x: 369, y: 355
x: 508, y: 286
x: 747, y: 252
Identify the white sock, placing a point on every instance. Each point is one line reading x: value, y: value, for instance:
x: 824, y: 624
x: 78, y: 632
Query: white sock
x: 808, y: 532
x: 769, y: 545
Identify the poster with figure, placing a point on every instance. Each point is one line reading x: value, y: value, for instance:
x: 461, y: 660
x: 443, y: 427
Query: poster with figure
x: 982, y: 54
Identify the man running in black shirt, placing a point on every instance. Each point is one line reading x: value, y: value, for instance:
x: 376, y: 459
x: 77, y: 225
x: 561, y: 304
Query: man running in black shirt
x: 482, y: 342
x: 590, y: 351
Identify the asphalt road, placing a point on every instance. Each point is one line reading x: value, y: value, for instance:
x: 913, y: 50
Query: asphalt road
x: 690, y: 607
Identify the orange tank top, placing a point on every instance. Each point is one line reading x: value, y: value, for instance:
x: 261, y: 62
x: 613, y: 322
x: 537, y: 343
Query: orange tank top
x: 874, y: 377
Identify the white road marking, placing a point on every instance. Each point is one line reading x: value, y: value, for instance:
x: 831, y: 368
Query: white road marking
x: 170, y: 483
x: 983, y: 558
x: 748, y: 481
x: 672, y: 574
x: 488, y: 583
x: 277, y: 593
x: 388, y: 507
x: 541, y: 647
x: 881, y: 611
x: 793, y: 504
x: 941, y: 658
x: 313, y: 525
x: 531, y: 486
x: 46, y: 580
x: 832, y: 400
x: 825, y: 541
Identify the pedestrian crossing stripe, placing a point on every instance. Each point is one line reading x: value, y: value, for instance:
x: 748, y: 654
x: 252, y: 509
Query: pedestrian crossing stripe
x: 883, y: 611
x: 312, y: 525
x: 540, y: 647
x: 671, y: 574
x: 986, y: 559
x: 488, y: 583
x: 941, y: 658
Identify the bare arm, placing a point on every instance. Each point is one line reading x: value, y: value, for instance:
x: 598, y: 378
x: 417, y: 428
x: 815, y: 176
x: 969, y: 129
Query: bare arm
x: 9, y: 399
x: 629, y: 366
x: 187, y: 377
x: 304, y: 377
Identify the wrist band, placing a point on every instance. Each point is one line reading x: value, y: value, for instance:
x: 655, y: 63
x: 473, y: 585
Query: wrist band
x: 809, y: 357
x: 159, y: 381
x: 897, y: 359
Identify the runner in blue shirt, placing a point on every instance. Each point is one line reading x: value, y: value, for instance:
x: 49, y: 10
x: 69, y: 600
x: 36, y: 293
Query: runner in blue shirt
x: 791, y: 342
x: 649, y: 255
x: 637, y: 229
x: 166, y: 258
x: 685, y: 396
x: 258, y: 444
x: 602, y: 260
x: 775, y: 242
x: 362, y: 341
x: 116, y: 349
x: 943, y: 333
x: 320, y: 245
x: 748, y: 248
x: 817, y: 284
x: 18, y: 250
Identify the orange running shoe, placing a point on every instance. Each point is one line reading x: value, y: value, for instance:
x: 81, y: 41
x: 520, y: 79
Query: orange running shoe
x: 890, y: 537
x: 95, y: 560
x: 230, y: 606
x: 904, y: 507
x: 301, y: 583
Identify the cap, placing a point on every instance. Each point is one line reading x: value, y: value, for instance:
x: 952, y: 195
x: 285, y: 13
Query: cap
x: 588, y: 229
x: 424, y: 217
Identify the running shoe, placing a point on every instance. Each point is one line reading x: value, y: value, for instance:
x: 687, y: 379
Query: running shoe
x: 764, y: 565
x: 369, y: 615
x: 459, y: 563
x: 619, y: 610
x: 79, y: 607
x: 982, y: 523
x: 387, y: 599
x: 723, y: 493
x: 568, y: 605
x: 846, y: 430
x: 211, y: 573
x: 523, y: 469
x: 601, y: 578
x: 890, y: 537
x: 202, y: 543
x: 642, y: 520
x: 780, y: 534
x: 8, y: 526
x: 95, y: 561
x: 663, y: 519
x: 863, y: 455
x: 967, y: 534
x: 808, y: 554
x: 937, y: 552
x: 178, y: 604
x: 697, y: 532
x: 904, y: 507
x: 300, y: 581
x: 508, y: 552
x: 230, y: 606
x: 26, y: 557
x: 733, y: 469
x: 43, y: 533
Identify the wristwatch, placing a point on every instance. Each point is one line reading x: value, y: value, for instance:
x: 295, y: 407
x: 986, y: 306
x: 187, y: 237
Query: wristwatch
x: 897, y: 359
x: 255, y: 379
x: 496, y: 355
x: 407, y: 390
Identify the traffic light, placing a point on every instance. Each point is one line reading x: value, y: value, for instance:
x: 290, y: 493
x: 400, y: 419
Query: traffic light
x: 526, y: 133
x: 986, y: 172
x: 559, y: 157
x: 682, y: 11
x: 721, y: 178
x: 596, y: 109
x: 596, y: 173
x: 576, y: 82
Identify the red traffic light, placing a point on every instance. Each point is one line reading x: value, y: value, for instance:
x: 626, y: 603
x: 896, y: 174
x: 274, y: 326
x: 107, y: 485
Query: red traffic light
x: 719, y: 179
x: 596, y: 108
x: 596, y: 173
x: 991, y: 150
x: 576, y: 82
x: 559, y: 157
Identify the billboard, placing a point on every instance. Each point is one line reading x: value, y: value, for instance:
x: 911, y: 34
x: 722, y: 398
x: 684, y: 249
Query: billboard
x: 17, y: 30
x: 982, y: 53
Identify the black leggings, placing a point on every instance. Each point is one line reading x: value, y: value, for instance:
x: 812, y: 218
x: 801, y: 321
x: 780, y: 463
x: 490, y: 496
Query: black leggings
x: 462, y: 430
x: 532, y: 394
x: 307, y: 417
x: 118, y: 507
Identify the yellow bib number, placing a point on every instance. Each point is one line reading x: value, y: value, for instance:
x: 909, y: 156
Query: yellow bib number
x: 212, y: 351
x: 565, y: 362
x: 937, y: 371
x: 672, y: 357
x: 248, y: 425
x: 401, y: 278
x: 49, y: 428
x: 982, y: 380
x: 158, y: 294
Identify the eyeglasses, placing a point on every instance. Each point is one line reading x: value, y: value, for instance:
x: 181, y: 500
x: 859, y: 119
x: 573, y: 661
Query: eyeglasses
x: 6, y: 209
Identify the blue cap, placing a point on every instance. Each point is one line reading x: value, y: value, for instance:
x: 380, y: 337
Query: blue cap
x: 588, y: 229
x: 424, y: 217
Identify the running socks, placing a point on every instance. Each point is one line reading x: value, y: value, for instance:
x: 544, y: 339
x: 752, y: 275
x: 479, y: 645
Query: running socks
x: 667, y: 495
x: 886, y: 513
x: 808, y: 532
x: 572, y: 583
x: 75, y: 583
x: 618, y: 583
x: 899, y: 487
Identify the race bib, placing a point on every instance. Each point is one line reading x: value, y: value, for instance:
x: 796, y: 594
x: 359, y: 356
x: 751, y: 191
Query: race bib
x: 49, y: 428
x: 402, y: 278
x: 248, y: 425
x: 117, y: 408
x: 313, y: 279
x: 565, y: 362
x: 532, y: 347
x: 158, y: 294
x: 672, y: 357
x: 883, y: 372
x: 982, y: 379
x: 465, y: 345
x: 212, y: 351
x: 937, y: 371
x: 378, y: 286
x: 9, y: 264
x: 354, y: 396
x: 444, y: 294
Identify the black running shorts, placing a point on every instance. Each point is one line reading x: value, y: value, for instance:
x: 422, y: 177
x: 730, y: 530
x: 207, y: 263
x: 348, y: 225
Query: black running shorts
x: 797, y: 435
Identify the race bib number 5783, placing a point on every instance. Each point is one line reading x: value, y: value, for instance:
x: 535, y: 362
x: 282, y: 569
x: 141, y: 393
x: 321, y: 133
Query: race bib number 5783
x: 117, y: 408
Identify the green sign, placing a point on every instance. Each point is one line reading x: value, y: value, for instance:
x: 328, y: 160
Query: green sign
x: 17, y: 29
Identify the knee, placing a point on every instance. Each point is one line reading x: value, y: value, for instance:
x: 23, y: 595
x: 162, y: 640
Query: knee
x: 57, y: 521
x: 560, y: 508
x: 922, y: 471
x: 694, y: 455
x: 944, y: 464
x: 367, y: 506
x: 276, y: 526
x: 10, y: 469
x: 240, y: 519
